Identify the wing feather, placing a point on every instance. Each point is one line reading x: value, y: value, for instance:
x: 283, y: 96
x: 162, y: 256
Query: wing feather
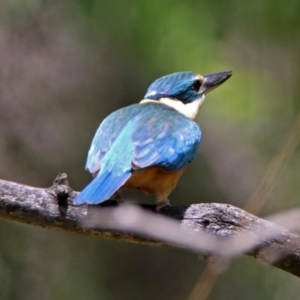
x: 167, y: 139
x: 161, y: 137
x: 107, y: 133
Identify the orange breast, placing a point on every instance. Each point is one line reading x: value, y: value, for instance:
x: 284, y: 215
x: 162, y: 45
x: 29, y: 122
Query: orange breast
x: 153, y: 180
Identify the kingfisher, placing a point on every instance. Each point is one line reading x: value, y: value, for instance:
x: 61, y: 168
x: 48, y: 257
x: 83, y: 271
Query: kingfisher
x: 147, y: 146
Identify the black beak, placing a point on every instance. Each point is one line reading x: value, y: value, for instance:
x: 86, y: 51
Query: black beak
x: 211, y: 81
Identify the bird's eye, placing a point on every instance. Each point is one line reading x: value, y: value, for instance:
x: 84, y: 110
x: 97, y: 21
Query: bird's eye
x: 196, y: 85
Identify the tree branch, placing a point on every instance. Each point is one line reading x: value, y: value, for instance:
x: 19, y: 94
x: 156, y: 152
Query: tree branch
x: 208, y: 228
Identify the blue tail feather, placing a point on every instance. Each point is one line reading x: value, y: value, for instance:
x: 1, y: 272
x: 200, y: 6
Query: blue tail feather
x: 114, y: 172
x: 101, y: 188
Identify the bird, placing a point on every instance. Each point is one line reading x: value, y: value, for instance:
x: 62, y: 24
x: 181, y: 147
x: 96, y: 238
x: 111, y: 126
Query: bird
x: 148, y: 145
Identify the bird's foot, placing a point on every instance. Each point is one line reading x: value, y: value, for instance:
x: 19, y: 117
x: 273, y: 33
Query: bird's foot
x: 117, y: 197
x: 161, y: 204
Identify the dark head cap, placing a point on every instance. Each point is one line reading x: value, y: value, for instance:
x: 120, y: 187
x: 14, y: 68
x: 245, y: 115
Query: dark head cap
x: 185, y: 86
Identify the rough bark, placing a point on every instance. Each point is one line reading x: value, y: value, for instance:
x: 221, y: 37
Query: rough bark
x: 208, y: 228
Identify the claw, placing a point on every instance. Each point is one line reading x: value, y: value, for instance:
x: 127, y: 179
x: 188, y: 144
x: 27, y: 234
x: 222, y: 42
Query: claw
x: 162, y: 204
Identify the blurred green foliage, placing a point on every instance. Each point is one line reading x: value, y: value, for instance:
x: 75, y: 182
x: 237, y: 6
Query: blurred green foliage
x: 65, y: 65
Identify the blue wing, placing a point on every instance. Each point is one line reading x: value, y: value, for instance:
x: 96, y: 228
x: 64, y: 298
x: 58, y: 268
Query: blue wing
x: 166, y: 139
x: 150, y: 134
x: 106, y: 134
